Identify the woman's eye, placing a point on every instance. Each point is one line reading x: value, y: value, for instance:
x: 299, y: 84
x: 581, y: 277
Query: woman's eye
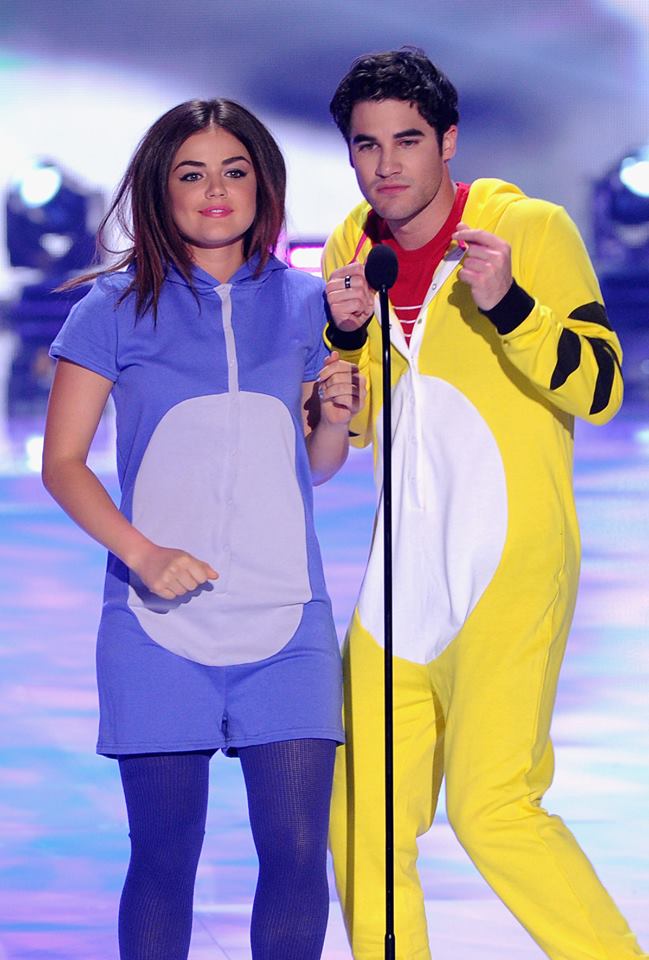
x: 236, y: 173
x: 190, y: 177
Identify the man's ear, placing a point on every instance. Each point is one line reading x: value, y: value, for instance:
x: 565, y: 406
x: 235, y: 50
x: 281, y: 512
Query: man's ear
x: 449, y: 143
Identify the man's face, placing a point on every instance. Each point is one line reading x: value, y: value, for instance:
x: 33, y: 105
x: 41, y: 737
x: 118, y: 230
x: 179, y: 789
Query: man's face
x: 397, y: 159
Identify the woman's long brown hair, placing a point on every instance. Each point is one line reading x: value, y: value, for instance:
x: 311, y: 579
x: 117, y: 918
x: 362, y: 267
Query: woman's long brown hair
x: 141, y: 209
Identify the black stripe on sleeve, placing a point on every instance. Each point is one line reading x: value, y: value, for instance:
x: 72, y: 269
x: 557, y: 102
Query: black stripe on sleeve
x: 346, y: 339
x: 568, y: 357
x: 606, y: 363
x: 592, y: 313
x: 510, y: 312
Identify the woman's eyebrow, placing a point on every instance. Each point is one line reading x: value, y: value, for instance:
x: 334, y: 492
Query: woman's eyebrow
x: 199, y: 163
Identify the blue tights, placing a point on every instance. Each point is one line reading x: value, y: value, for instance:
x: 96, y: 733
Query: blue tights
x: 289, y: 787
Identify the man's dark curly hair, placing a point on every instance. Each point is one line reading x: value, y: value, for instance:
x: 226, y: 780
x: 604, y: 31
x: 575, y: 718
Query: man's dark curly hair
x: 405, y: 74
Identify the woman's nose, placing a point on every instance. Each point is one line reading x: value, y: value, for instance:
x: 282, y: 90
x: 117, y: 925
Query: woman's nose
x: 215, y: 187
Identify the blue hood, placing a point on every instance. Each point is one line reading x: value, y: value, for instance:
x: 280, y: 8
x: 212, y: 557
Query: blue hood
x: 204, y: 284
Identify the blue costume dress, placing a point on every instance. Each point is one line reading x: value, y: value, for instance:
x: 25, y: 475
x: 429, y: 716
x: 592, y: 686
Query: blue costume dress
x: 211, y: 459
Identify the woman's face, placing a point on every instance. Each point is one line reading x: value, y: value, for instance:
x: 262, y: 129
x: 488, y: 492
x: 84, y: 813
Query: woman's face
x: 212, y: 194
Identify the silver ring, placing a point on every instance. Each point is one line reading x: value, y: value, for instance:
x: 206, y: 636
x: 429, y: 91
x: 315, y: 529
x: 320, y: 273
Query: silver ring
x: 321, y: 392
x: 348, y: 282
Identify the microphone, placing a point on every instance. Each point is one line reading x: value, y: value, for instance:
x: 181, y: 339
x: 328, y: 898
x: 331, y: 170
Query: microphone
x: 381, y: 267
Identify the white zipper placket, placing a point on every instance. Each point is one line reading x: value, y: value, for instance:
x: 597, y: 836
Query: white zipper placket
x: 411, y: 354
x: 231, y: 452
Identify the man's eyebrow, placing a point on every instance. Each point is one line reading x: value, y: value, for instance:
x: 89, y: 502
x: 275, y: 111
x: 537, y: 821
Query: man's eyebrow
x: 410, y: 132
x: 199, y: 163
x: 401, y: 135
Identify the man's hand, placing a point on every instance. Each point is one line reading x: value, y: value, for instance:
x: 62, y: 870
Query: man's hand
x: 350, y: 298
x: 486, y: 267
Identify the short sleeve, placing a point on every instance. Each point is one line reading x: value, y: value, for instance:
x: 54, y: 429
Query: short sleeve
x: 318, y: 351
x: 89, y: 335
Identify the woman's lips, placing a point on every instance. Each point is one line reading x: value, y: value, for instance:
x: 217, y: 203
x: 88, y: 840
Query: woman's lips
x: 215, y: 212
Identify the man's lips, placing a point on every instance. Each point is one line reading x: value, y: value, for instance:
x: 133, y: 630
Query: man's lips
x: 391, y: 189
x: 215, y: 212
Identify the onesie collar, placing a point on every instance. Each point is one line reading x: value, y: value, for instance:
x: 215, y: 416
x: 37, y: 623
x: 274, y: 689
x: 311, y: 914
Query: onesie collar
x: 205, y: 284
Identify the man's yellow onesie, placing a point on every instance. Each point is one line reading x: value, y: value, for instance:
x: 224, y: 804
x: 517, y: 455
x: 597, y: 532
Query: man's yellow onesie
x: 486, y: 563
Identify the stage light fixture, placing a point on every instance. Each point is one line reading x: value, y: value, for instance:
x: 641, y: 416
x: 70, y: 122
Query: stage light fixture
x: 39, y: 184
x: 634, y: 173
x: 621, y: 253
x: 51, y: 219
x: 621, y: 213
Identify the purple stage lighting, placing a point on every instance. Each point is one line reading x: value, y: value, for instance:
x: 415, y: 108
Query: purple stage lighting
x: 305, y: 256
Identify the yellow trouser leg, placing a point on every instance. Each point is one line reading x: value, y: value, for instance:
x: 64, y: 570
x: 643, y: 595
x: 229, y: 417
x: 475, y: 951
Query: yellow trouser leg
x: 358, y: 819
x: 497, y: 681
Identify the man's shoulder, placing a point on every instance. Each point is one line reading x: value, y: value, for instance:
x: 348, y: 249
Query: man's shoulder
x: 492, y: 202
x: 347, y: 239
x: 353, y: 225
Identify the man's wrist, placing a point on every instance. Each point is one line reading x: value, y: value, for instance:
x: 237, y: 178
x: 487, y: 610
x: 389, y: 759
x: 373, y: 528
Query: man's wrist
x: 511, y: 310
x: 347, y: 339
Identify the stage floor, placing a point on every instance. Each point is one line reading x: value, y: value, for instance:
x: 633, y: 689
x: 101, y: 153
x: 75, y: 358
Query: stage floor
x: 64, y: 836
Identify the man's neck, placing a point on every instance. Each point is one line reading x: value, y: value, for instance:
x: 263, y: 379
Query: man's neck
x: 419, y: 230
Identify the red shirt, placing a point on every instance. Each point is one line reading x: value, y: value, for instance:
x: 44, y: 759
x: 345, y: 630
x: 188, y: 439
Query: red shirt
x: 416, y: 267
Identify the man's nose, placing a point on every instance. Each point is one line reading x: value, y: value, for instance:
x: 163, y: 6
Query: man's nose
x: 388, y: 164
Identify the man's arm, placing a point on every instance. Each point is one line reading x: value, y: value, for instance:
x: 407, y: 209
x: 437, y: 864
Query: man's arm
x: 351, y: 307
x: 545, y: 302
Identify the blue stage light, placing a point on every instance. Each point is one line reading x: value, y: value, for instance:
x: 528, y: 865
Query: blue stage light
x: 621, y: 249
x: 51, y: 219
x: 634, y: 173
x: 39, y: 183
x: 621, y: 213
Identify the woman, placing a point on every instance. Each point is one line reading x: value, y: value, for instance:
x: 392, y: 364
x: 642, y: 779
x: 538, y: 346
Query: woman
x: 216, y: 630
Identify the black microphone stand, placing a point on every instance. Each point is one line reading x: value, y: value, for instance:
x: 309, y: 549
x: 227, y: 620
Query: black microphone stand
x: 390, y: 939
x: 381, y: 271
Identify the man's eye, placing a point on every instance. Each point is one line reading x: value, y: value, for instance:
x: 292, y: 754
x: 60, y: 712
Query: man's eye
x: 408, y: 143
x: 364, y: 147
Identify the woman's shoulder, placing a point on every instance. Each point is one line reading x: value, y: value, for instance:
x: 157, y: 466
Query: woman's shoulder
x: 114, y: 282
x: 108, y: 292
x: 301, y: 282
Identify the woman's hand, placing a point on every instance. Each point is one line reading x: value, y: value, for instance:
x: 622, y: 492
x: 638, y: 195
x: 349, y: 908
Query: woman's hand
x: 341, y: 390
x: 171, y: 573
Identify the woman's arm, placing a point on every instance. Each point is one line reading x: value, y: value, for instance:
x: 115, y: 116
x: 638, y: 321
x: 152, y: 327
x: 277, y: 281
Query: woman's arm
x: 328, y: 405
x: 76, y: 403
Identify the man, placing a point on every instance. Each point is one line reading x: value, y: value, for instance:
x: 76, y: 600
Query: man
x: 499, y: 338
